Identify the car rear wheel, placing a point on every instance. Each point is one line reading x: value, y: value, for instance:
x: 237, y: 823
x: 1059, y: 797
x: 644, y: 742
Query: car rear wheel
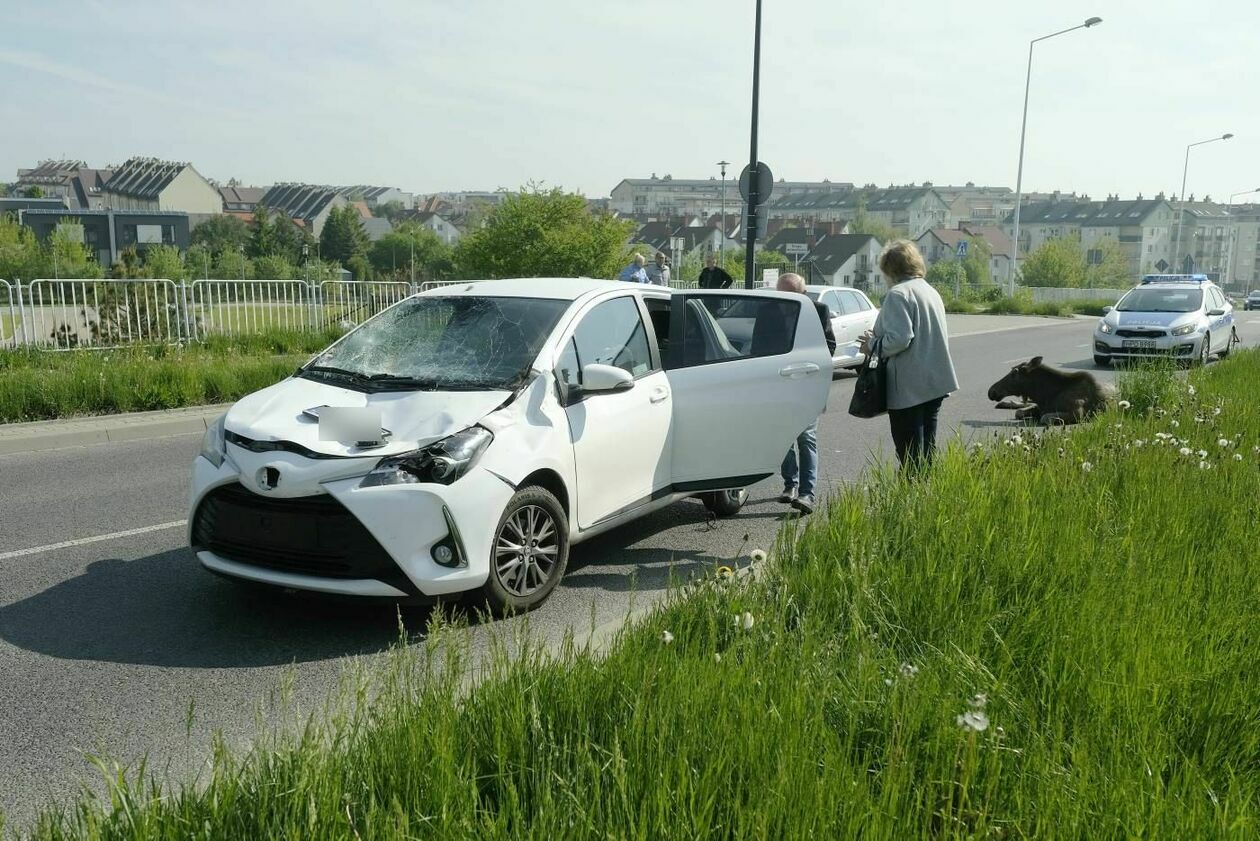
x: 529, y: 554
x: 1233, y: 337
x: 1102, y: 361
x: 1205, y: 350
x: 725, y: 503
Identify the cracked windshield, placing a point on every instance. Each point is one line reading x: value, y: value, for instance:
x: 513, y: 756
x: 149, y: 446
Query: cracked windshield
x: 458, y: 342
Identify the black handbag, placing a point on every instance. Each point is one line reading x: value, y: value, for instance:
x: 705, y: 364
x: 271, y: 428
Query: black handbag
x: 870, y: 392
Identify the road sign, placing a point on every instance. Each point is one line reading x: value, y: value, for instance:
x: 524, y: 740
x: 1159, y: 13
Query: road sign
x: 796, y: 249
x: 962, y: 248
x: 769, y: 278
x: 765, y: 182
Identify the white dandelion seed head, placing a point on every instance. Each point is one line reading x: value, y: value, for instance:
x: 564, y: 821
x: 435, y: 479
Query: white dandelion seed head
x: 887, y: 681
x: 1124, y: 404
x: 667, y: 637
x: 1017, y: 439
x: 1174, y: 423
x: 1237, y: 456
x: 1086, y: 466
x: 978, y: 701
x: 1185, y: 451
x: 1202, y: 453
x: 973, y: 720
x: 1216, y: 411
x: 1199, y: 418
x: 747, y: 621
x: 1190, y: 390
x: 908, y: 669
x: 717, y: 657
x: 1119, y: 426
x: 1162, y: 435
x: 1224, y: 442
x: 757, y: 555
x: 1203, y: 465
x: 1138, y: 442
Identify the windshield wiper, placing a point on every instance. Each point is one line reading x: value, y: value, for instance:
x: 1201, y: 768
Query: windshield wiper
x: 335, y: 372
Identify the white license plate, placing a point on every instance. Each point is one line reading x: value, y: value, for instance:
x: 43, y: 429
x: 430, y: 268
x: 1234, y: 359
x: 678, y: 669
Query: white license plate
x: 1139, y: 344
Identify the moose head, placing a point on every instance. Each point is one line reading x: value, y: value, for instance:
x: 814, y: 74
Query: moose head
x: 1020, y: 382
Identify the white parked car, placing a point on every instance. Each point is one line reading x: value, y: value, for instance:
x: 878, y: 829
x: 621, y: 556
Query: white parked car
x: 466, y: 437
x: 852, y: 314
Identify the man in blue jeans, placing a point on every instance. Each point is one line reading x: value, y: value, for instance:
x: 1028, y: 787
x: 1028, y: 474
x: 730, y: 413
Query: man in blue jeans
x: 800, y: 476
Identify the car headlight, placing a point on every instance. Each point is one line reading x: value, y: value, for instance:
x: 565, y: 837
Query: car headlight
x: 212, y: 448
x: 1104, y: 327
x: 442, y: 461
x: 1184, y: 330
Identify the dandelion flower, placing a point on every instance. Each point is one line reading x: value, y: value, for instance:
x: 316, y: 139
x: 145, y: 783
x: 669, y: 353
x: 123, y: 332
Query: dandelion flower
x: 1124, y: 404
x: 1139, y: 443
x: 758, y: 555
x: 745, y: 621
x: 1190, y: 390
x: 887, y: 681
x: 1203, y: 465
x: 717, y: 657
x: 1185, y: 451
x: 1174, y: 423
x: 908, y: 669
x: 667, y: 637
x: 1224, y: 442
x: 1086, y: 466
x: 973, y: 720
x: 1216, y: 411
x: 1199, y: 418
x: 1202, y: 453
x: 1017, y: 439
x: 1163, y: 435
x: 978, y: 701
x: 725, y: 573
x: 1237, y: 456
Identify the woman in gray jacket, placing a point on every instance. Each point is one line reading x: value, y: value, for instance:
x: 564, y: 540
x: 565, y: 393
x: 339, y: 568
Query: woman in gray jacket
x: 913, y: 341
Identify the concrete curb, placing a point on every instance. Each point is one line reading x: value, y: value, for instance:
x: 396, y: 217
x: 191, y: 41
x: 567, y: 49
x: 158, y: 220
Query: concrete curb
x: 40, y: 436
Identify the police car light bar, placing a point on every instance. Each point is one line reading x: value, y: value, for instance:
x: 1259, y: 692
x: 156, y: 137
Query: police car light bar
x: 1175, y: 278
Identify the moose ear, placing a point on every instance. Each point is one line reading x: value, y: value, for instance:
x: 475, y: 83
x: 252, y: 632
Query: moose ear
x: 1035, y: 362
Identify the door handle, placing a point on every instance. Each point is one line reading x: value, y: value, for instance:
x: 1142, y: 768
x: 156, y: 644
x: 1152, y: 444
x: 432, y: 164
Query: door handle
x: 659, y: 394
x: 799, y: 369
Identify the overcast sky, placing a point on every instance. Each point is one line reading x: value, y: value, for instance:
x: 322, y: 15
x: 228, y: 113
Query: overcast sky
x: 480, y: 94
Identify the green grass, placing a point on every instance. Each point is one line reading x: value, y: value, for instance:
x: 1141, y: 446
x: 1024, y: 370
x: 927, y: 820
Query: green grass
x: 1022, y: 304
x: 1100, y: 594
x: 38, y: 385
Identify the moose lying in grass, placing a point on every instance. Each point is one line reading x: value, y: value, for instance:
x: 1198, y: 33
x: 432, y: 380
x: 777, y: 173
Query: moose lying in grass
x: 1048, y: 395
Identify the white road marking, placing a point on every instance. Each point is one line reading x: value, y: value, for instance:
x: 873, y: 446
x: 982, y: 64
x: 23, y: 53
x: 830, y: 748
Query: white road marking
x: 1056, y: 323
x: 1084, y: 345
x: 66, y: 544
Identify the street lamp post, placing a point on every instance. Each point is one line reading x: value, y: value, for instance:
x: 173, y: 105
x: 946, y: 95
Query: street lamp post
x: 1019, y: 176
x: 1181, y: 213
x: 1233, y: 236
x: 722, y: 224
x: 754, y: 197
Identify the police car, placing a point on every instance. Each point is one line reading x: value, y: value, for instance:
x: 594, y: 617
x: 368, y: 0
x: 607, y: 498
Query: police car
x: 1184, y: 316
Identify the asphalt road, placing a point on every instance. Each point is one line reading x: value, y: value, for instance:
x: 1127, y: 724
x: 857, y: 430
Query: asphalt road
x: 106, y: 645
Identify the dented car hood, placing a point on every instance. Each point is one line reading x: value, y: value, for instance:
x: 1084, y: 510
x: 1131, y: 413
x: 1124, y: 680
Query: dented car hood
x: 413, y: 418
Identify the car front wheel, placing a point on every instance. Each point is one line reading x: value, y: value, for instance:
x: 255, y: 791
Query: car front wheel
x: 1229, y: 345
x: 529, y: 553
x: 1102, y: 361
x: 1205, y: 350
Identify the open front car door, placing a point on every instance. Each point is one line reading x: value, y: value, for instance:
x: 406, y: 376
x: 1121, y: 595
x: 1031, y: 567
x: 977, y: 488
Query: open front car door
x: 749, y: 371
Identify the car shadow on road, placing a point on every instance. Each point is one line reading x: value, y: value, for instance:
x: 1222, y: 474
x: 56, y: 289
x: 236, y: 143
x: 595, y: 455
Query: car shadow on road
x: 165, y: 610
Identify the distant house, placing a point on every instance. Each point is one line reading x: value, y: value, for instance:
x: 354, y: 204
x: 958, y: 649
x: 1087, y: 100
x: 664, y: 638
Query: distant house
x: 799, y: 241
x: 307, y: 205
x: 910, y: 209
x: 374, y: 197
x: 844, y: 260
x: 438, y: 224
x: 107, y: 233
x: 151, y: 185
x: 940, y: 244
x: 16, y: 204
x: 653, y: 237
x: 376, y: 228
x: 241, y: 199
x: 74, y: 181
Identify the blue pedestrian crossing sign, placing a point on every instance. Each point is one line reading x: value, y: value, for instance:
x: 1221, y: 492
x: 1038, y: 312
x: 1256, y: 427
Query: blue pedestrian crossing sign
x: 962, y: 248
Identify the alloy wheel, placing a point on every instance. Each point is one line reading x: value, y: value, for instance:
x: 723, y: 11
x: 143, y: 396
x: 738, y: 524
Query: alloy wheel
x: 526, y: 550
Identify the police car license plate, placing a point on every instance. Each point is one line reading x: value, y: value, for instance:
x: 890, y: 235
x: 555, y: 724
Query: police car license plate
x: 1139, y: 344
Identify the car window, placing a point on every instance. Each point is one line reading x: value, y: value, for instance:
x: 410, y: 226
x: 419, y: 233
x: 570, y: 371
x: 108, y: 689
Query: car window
x: 612, y: 334
x: 719, y: 329
x: 1218, y: 300
x: 864, y: 303
x: 832, y: 302
x: 849, y: 303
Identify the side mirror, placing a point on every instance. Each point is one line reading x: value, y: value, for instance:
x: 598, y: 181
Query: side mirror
x: 1107, y: 310
x: 598, y: 379
x: 1216, y: 312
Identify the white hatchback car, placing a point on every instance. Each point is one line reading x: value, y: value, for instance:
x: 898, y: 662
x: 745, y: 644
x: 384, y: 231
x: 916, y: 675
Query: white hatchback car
x: 466, y: 437
x: 852, y: 314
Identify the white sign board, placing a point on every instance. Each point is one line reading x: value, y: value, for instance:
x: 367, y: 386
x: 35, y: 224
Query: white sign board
x: 796, y: 249
x: 769, y: 277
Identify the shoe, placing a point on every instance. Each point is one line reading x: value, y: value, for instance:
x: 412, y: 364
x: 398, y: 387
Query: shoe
x: 788, y: 495
x: 804, y: 503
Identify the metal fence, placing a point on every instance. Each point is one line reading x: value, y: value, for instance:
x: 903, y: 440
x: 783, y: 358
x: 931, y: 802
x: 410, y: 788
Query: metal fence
x: 1051, y: 294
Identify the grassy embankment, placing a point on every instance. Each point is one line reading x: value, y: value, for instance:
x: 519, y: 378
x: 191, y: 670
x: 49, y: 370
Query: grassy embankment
x: 37, y: 385
x: 1053, y: 637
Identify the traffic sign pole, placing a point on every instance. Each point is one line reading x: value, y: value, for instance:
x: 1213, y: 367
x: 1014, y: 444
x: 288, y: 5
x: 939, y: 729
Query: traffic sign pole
x: 754, y: 195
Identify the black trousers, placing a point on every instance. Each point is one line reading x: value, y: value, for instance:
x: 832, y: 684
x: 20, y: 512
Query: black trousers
x: 914, y: 432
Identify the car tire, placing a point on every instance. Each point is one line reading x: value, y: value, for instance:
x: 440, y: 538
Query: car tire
x: 533, y: 521
x: 1102, y: 361
x: 1233, y: 337
x: 725, y: 503
x: 1205, y: 350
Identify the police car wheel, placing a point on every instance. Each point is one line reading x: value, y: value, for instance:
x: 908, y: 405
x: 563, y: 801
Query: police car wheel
x: 1205, y: 350
x: 1233, y: 337
x: 1102, y: 361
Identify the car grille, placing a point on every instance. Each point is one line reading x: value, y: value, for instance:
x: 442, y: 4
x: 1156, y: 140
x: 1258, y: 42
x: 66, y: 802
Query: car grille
x: 1140, y: 334
x: 311, y: 535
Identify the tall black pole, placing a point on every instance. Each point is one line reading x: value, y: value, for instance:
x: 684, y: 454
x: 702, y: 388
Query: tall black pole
x: 754, y: 198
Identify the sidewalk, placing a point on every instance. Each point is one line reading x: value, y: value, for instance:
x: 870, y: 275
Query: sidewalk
x: 38, y: 436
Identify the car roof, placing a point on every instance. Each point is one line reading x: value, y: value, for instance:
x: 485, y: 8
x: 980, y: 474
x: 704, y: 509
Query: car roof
x: 822, y: 287
x: 557, y: 288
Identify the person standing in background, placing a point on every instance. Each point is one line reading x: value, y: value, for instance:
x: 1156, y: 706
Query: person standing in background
x: 658, y: 272
x: 712, y: 276
x: 634, y: 273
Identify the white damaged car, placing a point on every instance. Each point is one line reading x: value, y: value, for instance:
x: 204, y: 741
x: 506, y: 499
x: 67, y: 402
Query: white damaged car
x: 466, y: 437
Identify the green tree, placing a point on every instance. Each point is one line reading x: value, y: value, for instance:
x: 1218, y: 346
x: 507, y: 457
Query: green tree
x: 223, y: 232
x: 197, y: 261
x: 35, y: 192
x: 164, y: 261
x: 359, y: 267
x: 977, y: 262
x: 231, y: 264
x: 391, y: 256
x: 391, y: 210
x: 274, y: 267
x: 66, y: 255
x: 21, y: 255
x: 343, y: 236
x: 262, y: 239
x: 1057, y: 262
x: 541, y: 233
x: 1107, y: 266
x: 948, y: 275
x: 290, y: 239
